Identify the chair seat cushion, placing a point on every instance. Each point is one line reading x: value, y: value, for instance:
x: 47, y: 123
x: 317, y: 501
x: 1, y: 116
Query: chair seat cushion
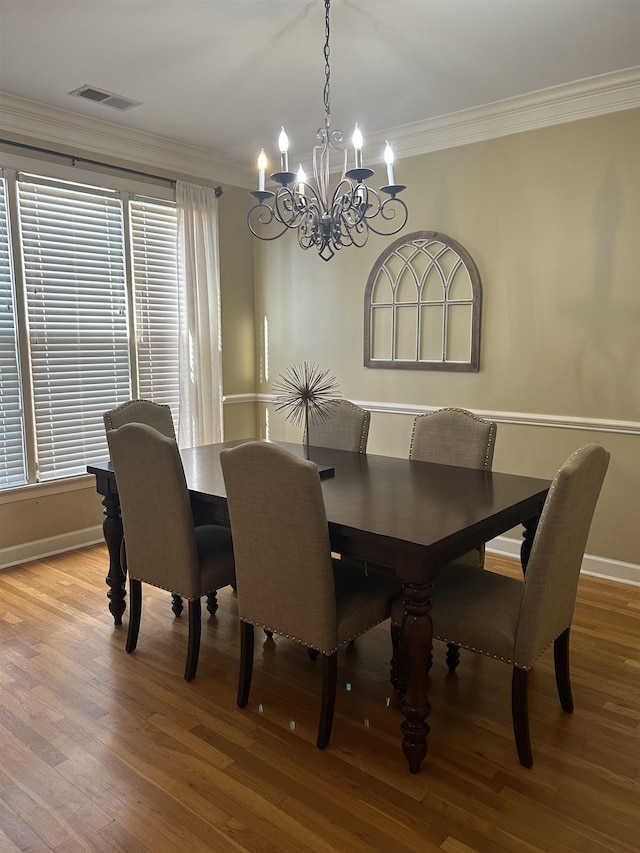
x: 474, y: 608
x: 215, y: 555
x: 363, y: 598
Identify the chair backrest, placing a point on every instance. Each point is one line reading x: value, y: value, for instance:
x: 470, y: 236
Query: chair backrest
x: 346, y: 427
x: 159, y: 531
x: 453, y: 437
x: 281, y: 545
x: 553, y: 569
x: 156, y: 415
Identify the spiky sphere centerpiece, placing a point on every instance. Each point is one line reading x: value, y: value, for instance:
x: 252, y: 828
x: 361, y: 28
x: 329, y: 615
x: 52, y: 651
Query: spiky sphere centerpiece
x: 306, y: 394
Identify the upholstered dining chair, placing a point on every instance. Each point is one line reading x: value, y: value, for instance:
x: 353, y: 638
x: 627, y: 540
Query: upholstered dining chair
x: 515, y: 620
x: 161, y: 545
x: 287, y: 582
x: 156, y: 415
x: 346, y: 427
x: 454, y: 437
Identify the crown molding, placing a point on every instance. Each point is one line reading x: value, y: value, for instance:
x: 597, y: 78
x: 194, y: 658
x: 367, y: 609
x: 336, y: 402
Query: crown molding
x: 65, y: 129
x: 587, y: 98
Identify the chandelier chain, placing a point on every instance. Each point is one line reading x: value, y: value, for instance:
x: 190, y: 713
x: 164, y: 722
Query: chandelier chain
x: 327, y: 69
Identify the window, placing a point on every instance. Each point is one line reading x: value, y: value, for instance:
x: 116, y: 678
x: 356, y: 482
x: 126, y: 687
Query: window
x: 155, y: 261
x: 97, y: 276
x: 422, y: 306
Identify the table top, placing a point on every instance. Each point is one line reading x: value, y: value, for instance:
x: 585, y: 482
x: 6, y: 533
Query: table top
x: 379, y: 507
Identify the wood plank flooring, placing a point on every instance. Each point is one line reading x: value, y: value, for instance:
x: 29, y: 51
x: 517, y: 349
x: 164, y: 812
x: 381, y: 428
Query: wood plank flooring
x: 104, y: 751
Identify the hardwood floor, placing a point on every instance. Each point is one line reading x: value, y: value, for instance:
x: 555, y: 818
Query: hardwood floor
x: 104, y: 751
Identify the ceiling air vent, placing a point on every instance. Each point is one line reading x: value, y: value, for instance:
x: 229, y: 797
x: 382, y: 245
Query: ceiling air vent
x: 101, y: 96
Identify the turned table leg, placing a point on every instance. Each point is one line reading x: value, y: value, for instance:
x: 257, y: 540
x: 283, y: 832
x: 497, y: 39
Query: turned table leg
x: 417, y: 637
x: 115, y: 580
x: 530, y: 526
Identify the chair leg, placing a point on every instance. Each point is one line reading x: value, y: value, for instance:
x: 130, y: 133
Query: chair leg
x: 520, y: 715
x: 176, y: 605
x: 212, y: 603
x: 453, y: 656
x: 246, y: 663
x: 329, y: 685
x: 135, y: 610
x: 195, y: 624
x: 561, y: 661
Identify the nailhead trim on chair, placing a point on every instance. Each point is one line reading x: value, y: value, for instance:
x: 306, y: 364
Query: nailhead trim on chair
x: 128, y: 403
x: 306, y: 645
x: 492, y: 431
x: 175, y: 592
x: 499, y: 657
x: 365, y: 422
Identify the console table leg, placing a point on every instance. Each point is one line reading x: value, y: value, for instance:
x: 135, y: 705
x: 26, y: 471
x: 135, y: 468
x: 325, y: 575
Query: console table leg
x: 115, y: 580
x: 417, y: 638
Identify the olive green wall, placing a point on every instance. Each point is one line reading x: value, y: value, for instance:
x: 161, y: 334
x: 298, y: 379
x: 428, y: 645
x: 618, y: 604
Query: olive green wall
x: 552, y: 220
x: 237, y: 307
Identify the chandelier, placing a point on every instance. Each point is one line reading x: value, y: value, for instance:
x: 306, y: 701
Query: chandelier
x: 324, y: 220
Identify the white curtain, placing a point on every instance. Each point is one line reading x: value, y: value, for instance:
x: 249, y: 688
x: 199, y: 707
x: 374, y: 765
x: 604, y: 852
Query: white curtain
x: 200, y: 359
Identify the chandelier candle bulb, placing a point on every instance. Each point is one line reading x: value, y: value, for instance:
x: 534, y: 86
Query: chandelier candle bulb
x: 283, y: 145
x: 358, y: 142
x: 301, y: 177
x: 262, y: 167
x: 388, y: 159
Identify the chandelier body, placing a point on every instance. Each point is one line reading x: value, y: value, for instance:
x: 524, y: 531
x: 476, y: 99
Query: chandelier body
x: 327, y: 220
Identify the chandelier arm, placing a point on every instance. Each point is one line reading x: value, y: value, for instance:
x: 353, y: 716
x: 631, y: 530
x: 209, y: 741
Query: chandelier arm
x: 263, y: 215
x: 354, y: 234
x: 388, y: 211
x: 286, y: 207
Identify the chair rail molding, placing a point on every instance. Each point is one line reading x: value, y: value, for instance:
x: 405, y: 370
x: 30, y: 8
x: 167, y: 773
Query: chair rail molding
x: 522, y: 418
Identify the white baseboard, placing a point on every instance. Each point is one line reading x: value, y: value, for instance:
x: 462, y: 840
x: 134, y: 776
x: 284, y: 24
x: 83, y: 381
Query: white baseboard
x: 41, y: 548
x: 599, y: 567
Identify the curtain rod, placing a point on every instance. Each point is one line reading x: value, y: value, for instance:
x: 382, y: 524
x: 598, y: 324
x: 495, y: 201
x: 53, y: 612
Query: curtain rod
x: 74, y: 159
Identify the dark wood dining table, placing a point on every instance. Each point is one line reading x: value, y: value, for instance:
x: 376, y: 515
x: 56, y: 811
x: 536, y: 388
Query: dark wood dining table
x: 410, y: 517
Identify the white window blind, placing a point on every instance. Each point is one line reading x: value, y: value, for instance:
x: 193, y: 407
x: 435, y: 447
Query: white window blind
x: 12, y: 456
x: 73, y: 255
x: 155, y: 282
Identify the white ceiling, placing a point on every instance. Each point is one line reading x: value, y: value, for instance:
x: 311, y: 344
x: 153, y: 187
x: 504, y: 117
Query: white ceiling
x: 225, y: 74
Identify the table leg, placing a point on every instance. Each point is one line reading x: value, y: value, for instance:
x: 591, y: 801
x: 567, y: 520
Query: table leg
x: 115, y: 580
x: 417, y: 638
x: 530, y: 526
